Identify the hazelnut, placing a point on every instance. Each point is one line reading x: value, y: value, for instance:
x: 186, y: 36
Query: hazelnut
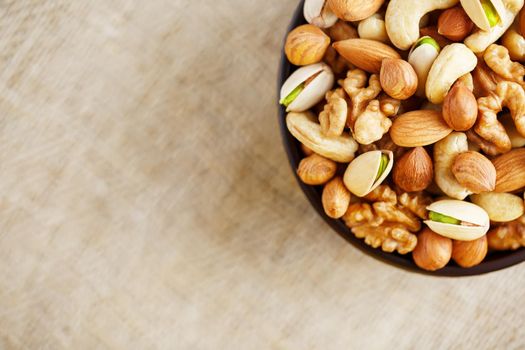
x: 460, y: 108
x: 316, y: 170
x: 306, y: 45
x: 455, y: 24
x: 469, y: 253
x: 432, y: 251
x: 398, y: 78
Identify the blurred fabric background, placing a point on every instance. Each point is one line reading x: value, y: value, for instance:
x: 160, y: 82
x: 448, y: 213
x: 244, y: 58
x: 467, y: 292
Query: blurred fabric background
x: 147, y: 202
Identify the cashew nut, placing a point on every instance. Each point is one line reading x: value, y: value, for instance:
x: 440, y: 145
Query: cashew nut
x: 515, y: 43
x: 445, y: 151
x: 305, y: 129
x: 454, y: 61
x: 480, y: 40
x: 403, y: 17
x: 501, y: 207
x: 373, y: 28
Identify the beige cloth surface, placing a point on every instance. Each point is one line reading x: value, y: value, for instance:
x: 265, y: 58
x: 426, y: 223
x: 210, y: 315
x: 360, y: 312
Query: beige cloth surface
x: 147, y: 202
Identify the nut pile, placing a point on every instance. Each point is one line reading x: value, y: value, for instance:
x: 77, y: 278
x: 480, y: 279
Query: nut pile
x: 411, y: 115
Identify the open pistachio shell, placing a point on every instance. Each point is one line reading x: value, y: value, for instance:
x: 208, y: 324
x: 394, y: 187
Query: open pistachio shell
x: 477, y: 14
x: 475, y: 216
x: 318, y: 13
x: 360, y: 176
x: 421, y: 58
x: 314, y: 91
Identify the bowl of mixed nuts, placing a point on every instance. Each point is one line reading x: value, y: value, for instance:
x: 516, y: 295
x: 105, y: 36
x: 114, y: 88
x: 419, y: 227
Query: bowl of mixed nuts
x: 404, y: 121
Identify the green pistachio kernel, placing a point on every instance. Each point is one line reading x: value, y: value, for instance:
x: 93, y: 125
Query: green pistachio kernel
x: 292, y: 95
x: 490, y: 11
x: 432, y: 215
x: 426, y: 40
x: 382, y: 166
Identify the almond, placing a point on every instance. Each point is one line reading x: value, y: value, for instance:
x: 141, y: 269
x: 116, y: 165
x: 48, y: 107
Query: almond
x: 365, y: 54
x: 475, y: 172
x: 510, y: 168
x: 455, y: 24
x: 398, y: 78
x: 419, y: 128
x: 335, y: 198
x: 414, y: 171
x: 354, y: 10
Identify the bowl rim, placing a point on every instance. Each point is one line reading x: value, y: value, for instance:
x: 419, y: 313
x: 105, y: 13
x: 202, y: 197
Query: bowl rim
x: 497, y: 261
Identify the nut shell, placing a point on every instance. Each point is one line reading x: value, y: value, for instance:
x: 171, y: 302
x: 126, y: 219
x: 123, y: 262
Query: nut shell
x: 455, y: 24
x: 460, y: 108
x: 463, y: 211
x: 306, y: 45
x: 318, y: 13
x: 432, y: 251
x: 475, y: 172
x: 314, y: 92
x: 360, y: 176
x: 419, y: 128
x: 354, y: 10
x: 335, y: 198
x: 414, y: 171
x: 365, y: 54
x: 316, y: 170
x: 398, y: 78
x: 469, y: 254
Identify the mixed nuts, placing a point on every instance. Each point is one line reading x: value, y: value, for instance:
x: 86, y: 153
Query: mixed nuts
x: 411, y: 115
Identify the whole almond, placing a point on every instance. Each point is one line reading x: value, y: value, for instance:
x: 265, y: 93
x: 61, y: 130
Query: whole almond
x: 414, y: 171
x: 419, y: 128
x: 316, y: 170
x: 398, y: 78
x: 365, y: 54
x: 475, y: 172
x: 306, y: 44
x: 469, y: 253
x: 455, y: 24
x: 335, y: 198
x: 510, y: 170
x: 460, y: 108
x: 354, y: 10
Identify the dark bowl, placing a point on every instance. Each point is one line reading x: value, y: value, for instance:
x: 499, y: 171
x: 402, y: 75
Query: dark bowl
x: 494, y: 260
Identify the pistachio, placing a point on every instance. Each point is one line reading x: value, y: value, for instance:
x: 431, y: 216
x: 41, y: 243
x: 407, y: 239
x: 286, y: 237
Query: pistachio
x: 306, y: 87
x: 458, y: 220
x: 421, y: 57
x: 368, y: 171
x: 484, y: 13
x: 318, y: 13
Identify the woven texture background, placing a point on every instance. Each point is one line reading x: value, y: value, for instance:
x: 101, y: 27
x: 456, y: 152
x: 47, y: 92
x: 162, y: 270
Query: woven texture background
x: 147, y: 203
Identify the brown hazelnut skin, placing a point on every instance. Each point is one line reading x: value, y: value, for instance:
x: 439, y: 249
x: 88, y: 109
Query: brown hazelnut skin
x: 460, y: 108
x: 432, y: 251
x: 455, y: 24
x: 471, y: 253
